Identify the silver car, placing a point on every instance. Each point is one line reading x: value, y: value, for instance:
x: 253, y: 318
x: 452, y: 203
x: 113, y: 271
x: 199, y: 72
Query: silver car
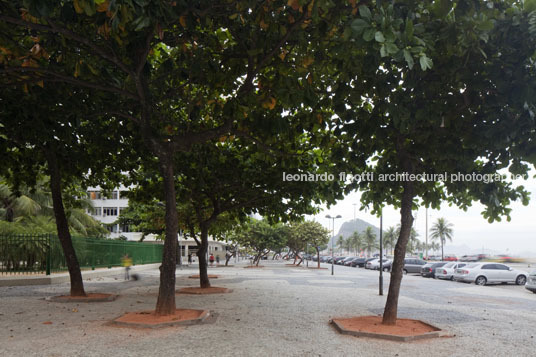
x: 484, y: 273
x: 531, y: 282
x: 447, y: 270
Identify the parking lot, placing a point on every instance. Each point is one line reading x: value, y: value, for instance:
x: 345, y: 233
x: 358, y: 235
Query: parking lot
x: 277, y: 310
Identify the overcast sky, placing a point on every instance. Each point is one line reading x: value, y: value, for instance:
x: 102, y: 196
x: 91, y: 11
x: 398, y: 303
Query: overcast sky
x: 515, y: 237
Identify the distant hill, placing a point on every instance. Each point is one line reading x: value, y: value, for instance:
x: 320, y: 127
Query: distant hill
x: 349, y: 227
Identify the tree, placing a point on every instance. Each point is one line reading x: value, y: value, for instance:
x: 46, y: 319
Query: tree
x: 441, y: 231
x: 340, y: 242
x: 399, y: 118
x: 313, y: 233
x: 262, y: 237
x: 369, y: 238
x: 356, y: 241
x: 47, y: 132
x: 390, y: 237
x: 181, y: 73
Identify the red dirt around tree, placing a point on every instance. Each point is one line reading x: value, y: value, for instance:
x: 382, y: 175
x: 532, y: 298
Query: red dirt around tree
x: 196, y: 276
x: 97, y: 297
x: 373, y: 324
x: 317, y: 268
x: 254, y: 266
x: 149, y: 318
x: 202, y: 291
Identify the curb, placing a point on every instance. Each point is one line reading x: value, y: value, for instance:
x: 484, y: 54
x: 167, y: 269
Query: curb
x: 110, y: 297
x: 64, y: 277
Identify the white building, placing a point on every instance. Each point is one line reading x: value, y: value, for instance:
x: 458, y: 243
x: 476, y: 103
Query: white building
x: 107, y: 210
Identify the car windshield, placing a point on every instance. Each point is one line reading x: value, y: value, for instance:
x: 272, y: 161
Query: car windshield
x: 470, y: 266
x: 449, y: 265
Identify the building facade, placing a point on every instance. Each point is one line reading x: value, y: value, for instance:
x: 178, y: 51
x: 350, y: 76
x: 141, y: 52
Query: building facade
x: 107, y: 208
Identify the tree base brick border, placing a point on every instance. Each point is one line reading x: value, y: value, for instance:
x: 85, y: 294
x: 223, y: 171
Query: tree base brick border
x: 91, y: 297
x: 146, y: 319
x: 341, y: 327
x: 195, y: 290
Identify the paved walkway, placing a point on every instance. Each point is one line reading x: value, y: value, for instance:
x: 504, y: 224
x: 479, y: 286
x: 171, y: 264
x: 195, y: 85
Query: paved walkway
x: 275, y: 311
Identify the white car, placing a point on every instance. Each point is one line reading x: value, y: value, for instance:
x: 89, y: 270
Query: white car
x: 531, y: 282
x: 484, y: 273
x: 375, y: 264
x: 447, y: 270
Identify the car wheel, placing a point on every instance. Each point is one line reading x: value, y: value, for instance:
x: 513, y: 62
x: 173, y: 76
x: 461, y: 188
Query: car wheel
x: 481, y: 280
x: 521, y: 280
x: 451, y: 277
x: 405, y: 272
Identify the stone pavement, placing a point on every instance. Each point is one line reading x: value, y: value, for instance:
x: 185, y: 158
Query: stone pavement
x: 275, y: 311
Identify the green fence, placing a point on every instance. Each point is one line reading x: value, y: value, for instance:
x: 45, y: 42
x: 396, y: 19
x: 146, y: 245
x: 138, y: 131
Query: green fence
x: 33, y: 254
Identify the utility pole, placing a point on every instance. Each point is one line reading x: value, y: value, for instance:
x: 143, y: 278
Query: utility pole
x: 381, y: 254
x: 426, y: 235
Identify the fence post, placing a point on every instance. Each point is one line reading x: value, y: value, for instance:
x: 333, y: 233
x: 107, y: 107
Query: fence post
x: 49, y: 241
x: 93, y: 248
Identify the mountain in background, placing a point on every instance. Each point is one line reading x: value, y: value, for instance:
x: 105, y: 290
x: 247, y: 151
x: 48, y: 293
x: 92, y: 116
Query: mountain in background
x: 349, y: 227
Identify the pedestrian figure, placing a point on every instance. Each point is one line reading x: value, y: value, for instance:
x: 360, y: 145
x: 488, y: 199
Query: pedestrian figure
x: 217, y: 259
x: 189, y: 258
x: 127, y: 263
x: 211, y: 259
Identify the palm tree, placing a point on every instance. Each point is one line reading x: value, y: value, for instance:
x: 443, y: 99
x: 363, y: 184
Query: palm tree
x: 369, y: 239
x: 441, y: 231
x: 390, y: 237
x: 356, y: 242
x: 340, y: 243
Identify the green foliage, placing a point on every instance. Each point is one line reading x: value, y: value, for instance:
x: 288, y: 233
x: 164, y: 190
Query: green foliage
x: 261, y: 237
x: 30, y: 212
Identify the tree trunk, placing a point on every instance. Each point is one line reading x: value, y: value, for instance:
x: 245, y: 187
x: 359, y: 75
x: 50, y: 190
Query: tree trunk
x: 391, y: 305
x: 442, y: 256
x: 62, y: 226
x: 165, y: 305
x: 318, y: 256
x: 229, y: 256
x: 203, y: 270
x: 301, y: 260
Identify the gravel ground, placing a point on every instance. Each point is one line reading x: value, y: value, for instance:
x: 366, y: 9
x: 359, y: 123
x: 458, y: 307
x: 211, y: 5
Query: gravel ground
x: 277, y: 310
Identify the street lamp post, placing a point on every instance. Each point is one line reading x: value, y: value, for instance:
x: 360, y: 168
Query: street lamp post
x: 332, y: 239
x: 381, y: 255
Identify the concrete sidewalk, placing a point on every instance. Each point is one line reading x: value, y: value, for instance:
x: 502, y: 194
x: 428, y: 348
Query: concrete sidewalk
x: 58, y: 278
x: 278, y: 310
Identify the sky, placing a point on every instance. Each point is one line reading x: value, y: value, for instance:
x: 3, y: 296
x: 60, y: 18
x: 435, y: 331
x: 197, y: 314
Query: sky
x: 470, y: 229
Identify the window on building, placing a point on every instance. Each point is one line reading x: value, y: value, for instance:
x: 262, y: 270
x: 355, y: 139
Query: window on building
x: 125, y: 228
x: 113, y: 228
x: 94, y: 195
x: 115, y: 195
x: 97, y: 211
x: 109, y: 211
x: 215, y: 248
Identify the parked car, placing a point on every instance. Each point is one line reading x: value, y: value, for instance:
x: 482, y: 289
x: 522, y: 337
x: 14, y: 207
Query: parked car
x: 447, y: 270
x: 338, y: 260
x: 485, y: 273
x: 367, y: 261
x: 375, y: 264
x: 531, y: 282
x: 429, y: 270
x: 358, y: 262
x: 450, y: 258
x: 434, y: 257
x: 412, y: 265
x: 347, y: 261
